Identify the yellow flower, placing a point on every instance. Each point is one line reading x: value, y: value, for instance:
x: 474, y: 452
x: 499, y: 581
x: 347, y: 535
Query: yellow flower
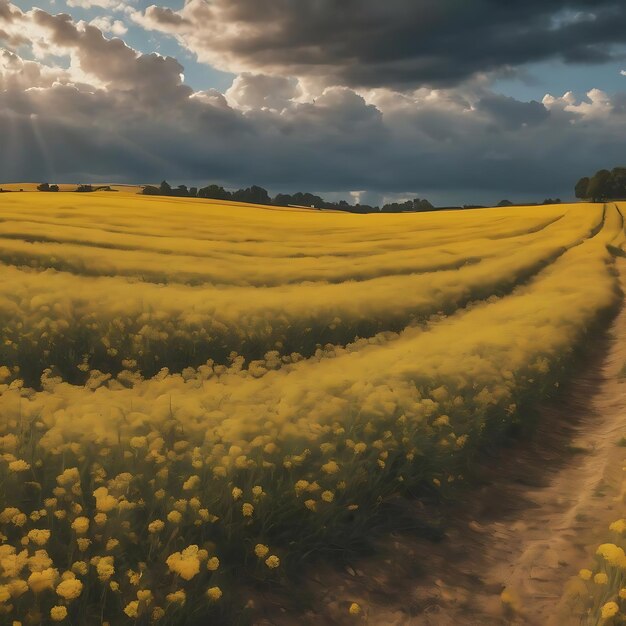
x: 191, y: 483
x: 213, y: 563
x: 19, y: 520
x: 132, y: 609
x: 17, y: 587
x: 609, y: 610
x: 354, y: 609
x: 157, y: 613
x: 112, y: 544
x: 100, y: 519
x: 81, y: 525
x: 69, y: 477
x: 70, y: 589
x: 328, y: 496
x: 214, y: 593
x: 156, y: 526
x: 601, y: 579
x: 622, y: 593
x: 300, y: 486
x: 105, y: 568
x: 247, y: 509
x: 330, y: 468
x: 461, y: 441
x: 83, y: 544
x: 8, y: 514
x: 257, y: 491
x: 612, y: 554
x: 138, y: 442
x: 618, y: 526
x: 219, y: 471
x: 58, y: 613
x: 10, y: 441
x: 260, y: 550
x: 311, y: 505
x: 442, y: 420
x: 39, y: 537
x: 5, y: 594
x: 205, y: 516
x: 144, y: 595
x: 40, y: 581
x: 177, y: 596
x: 272, y: 561
x: 114, y: 586
x: 19, y: 466
x: 585, y: 574
x: 175, y: 517
x: 104, y: 501
x: 80, y: 567
x: 237, y: 493
x: 186, y: 563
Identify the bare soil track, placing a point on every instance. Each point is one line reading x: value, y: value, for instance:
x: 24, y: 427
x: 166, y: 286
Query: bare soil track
x: 543, y: 506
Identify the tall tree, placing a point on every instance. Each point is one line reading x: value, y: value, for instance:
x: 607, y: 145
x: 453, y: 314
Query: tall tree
x: 580, y: 190
x: 599, y: 186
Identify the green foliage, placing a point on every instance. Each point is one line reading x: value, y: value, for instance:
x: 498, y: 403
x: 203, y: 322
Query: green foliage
x: 603, y: 185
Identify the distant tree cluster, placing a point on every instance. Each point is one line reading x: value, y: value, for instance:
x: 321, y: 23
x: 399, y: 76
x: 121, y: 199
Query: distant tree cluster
x: 79, y: 189
x: 505, y: 203
x: 603, y: 185
x: 410, y: 206
x: 258, y: 195
x: 165, y: 189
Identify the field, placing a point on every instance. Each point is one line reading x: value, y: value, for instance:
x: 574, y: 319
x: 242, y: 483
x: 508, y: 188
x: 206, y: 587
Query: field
x: 198, y: 400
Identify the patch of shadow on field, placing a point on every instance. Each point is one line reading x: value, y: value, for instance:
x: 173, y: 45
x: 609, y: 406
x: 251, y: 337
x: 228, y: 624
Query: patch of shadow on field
x: 433, y: 568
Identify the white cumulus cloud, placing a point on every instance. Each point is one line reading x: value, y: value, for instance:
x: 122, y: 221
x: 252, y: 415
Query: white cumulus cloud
x: 108, y: 25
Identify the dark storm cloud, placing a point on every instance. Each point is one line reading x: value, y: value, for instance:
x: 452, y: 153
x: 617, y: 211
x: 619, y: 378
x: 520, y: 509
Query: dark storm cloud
x: 511, y: 113
x: 399, y: 43
x: 112, y: 113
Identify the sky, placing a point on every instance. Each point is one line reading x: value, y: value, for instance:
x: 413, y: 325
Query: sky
x: 458, y: 102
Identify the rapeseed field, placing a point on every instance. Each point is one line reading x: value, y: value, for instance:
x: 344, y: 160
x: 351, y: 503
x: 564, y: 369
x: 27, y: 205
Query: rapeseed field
x: 197, y: 398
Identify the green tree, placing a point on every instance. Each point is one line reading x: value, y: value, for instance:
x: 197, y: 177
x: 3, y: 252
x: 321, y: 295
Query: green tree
x: 580, y: 190
x: 599, y: 186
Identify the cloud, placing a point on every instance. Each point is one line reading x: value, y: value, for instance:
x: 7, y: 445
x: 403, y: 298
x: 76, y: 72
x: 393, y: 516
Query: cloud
x: 257, y: 91
x: 87, y: 107
x: 115, y: 5
x: 400, y: 44
x: 108, y: 25
x: 510, y: 113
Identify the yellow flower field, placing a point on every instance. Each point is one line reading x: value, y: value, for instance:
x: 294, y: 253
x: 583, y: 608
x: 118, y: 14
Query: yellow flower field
x: 196, y: 398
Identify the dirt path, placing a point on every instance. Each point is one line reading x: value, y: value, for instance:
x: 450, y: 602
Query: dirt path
x: 542, y: 508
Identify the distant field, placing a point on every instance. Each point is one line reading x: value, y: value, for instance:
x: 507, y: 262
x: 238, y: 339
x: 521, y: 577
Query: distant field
x: 123, y: 189
x: 204, y: 394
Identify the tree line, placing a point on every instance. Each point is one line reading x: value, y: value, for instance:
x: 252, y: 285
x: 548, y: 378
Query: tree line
x: 603, y: 185
x: 80, y: 188
x: 258, y: 195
